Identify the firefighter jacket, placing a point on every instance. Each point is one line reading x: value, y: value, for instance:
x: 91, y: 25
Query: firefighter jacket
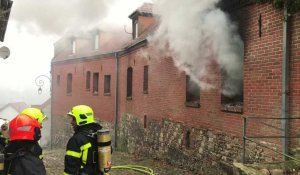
x: 24, y: 157
x: 81, y: 154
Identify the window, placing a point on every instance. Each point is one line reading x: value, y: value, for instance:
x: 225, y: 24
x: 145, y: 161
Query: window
x: 192, y: 93
x: 73, y: 46
x: 96, y: 83
x: 135, y: 29
x: 69, y: 84
x: 88, y: 81
x: 107, y: 85
x: 231, y: 101
x: 96, y: 41
x: 145, y: 83
x: 58, y: 79
x: 129, y: 83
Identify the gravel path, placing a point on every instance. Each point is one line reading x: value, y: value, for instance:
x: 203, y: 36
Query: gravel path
x: 54, y: 160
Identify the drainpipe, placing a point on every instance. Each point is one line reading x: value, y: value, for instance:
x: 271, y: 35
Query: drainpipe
x: 285, y: 75
x: 116, y: 100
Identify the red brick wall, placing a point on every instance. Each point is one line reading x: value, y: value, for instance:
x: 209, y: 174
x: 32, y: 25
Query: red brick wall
x: 262, y: 67
x: 166, y: 96
x: 103, y: 105
x: 166, y: 93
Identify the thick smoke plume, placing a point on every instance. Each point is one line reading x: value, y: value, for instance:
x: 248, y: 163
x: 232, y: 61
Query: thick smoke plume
x: 200, y: 36
x: 58, y: 16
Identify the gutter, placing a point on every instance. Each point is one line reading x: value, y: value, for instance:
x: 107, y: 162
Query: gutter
x: 116, y: 102
x: 285, y: 84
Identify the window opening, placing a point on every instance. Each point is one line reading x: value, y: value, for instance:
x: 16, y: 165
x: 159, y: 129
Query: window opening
x: 192, y: 93
x: 96, y: 83
x: 129, y: 83
x: 107, y: 84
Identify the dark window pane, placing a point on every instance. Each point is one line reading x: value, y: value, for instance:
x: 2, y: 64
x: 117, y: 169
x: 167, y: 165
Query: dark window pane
x: 96, y: 83
x: 107, y: 84
x: 145, y: 84
x: 129, y: 82
x: 69, y: 84
x: 192, y: 93
x: 88, y: 80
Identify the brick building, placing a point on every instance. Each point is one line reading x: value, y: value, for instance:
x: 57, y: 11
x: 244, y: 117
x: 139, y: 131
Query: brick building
x: 148, y: 103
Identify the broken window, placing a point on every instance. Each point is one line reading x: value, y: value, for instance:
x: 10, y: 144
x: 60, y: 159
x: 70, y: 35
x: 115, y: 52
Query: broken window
x: 192, y: 93
x: 107, y: 85
x: 69, y: 84
x: 145, y: 83
x: 129, y: 83
x: 88, y: 81
x: 96, y: 83
x: 231, y: 97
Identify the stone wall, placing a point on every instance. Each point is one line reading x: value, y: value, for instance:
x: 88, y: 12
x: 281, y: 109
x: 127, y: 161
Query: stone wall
x: 62, y: 130
x: 196, y: 149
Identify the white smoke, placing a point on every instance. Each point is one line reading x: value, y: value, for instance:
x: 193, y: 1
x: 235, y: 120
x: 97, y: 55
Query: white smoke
x: 58, y: 16
x: 200, y: 36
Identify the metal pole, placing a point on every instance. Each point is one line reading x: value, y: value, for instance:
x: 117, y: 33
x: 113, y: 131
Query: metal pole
x: 244, y: 140
x: 285, y: 72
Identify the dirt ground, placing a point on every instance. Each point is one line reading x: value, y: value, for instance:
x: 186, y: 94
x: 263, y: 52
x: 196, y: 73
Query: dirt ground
x: 54, y: 160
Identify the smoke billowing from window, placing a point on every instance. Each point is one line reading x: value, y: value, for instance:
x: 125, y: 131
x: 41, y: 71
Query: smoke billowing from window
x: 58, y: 16
x: 199, y: 35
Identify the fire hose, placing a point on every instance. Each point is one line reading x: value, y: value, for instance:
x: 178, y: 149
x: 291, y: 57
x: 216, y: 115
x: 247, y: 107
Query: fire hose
x: 104, y: 155
x: 142, y: 169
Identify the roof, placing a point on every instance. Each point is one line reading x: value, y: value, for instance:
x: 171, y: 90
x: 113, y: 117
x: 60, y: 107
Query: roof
x: 44, y: 105
x: 109, y: 42
x: 145, y: 10
x: 18, y: 106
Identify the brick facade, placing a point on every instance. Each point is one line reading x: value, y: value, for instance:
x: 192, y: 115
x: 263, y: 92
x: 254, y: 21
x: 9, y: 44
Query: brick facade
x: 166, y: 95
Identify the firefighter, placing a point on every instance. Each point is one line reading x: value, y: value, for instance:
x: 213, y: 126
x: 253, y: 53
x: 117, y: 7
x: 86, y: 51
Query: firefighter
x: 36, y: 113
x: 23, y: 153
x: 3, y: 133
x: 81, y: 154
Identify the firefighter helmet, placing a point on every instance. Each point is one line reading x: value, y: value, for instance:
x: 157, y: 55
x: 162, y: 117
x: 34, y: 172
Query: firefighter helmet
x: 24, y: 127
x: 35, y: 113
x: 83, y: 114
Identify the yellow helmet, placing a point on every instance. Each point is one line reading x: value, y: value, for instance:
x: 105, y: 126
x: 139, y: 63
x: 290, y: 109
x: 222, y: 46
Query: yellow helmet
x: 35, y: 113
x: 83, y: 114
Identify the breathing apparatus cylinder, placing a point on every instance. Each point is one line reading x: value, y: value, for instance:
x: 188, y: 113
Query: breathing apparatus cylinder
x: 104, y: 150
x: 1, y: 163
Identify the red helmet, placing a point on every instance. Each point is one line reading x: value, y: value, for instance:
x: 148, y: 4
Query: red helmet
x: 23, y: 127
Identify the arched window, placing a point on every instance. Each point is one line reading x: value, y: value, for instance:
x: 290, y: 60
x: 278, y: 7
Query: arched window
x: 129, y: 83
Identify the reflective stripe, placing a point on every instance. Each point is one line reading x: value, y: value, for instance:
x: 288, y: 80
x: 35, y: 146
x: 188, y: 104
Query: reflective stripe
x: 66, y: 173
x: 24, y: 128
x: 85, y: 148
x: 73, y: 154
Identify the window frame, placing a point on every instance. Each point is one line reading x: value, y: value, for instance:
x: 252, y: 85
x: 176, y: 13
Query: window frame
x: 107, y: 85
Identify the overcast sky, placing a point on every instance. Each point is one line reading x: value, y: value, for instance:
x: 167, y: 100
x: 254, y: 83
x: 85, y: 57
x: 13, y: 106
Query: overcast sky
x: 32, y: 29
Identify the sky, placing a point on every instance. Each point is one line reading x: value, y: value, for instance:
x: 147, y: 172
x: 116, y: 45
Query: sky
x: 198, y: 34
x: 33, y: 28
